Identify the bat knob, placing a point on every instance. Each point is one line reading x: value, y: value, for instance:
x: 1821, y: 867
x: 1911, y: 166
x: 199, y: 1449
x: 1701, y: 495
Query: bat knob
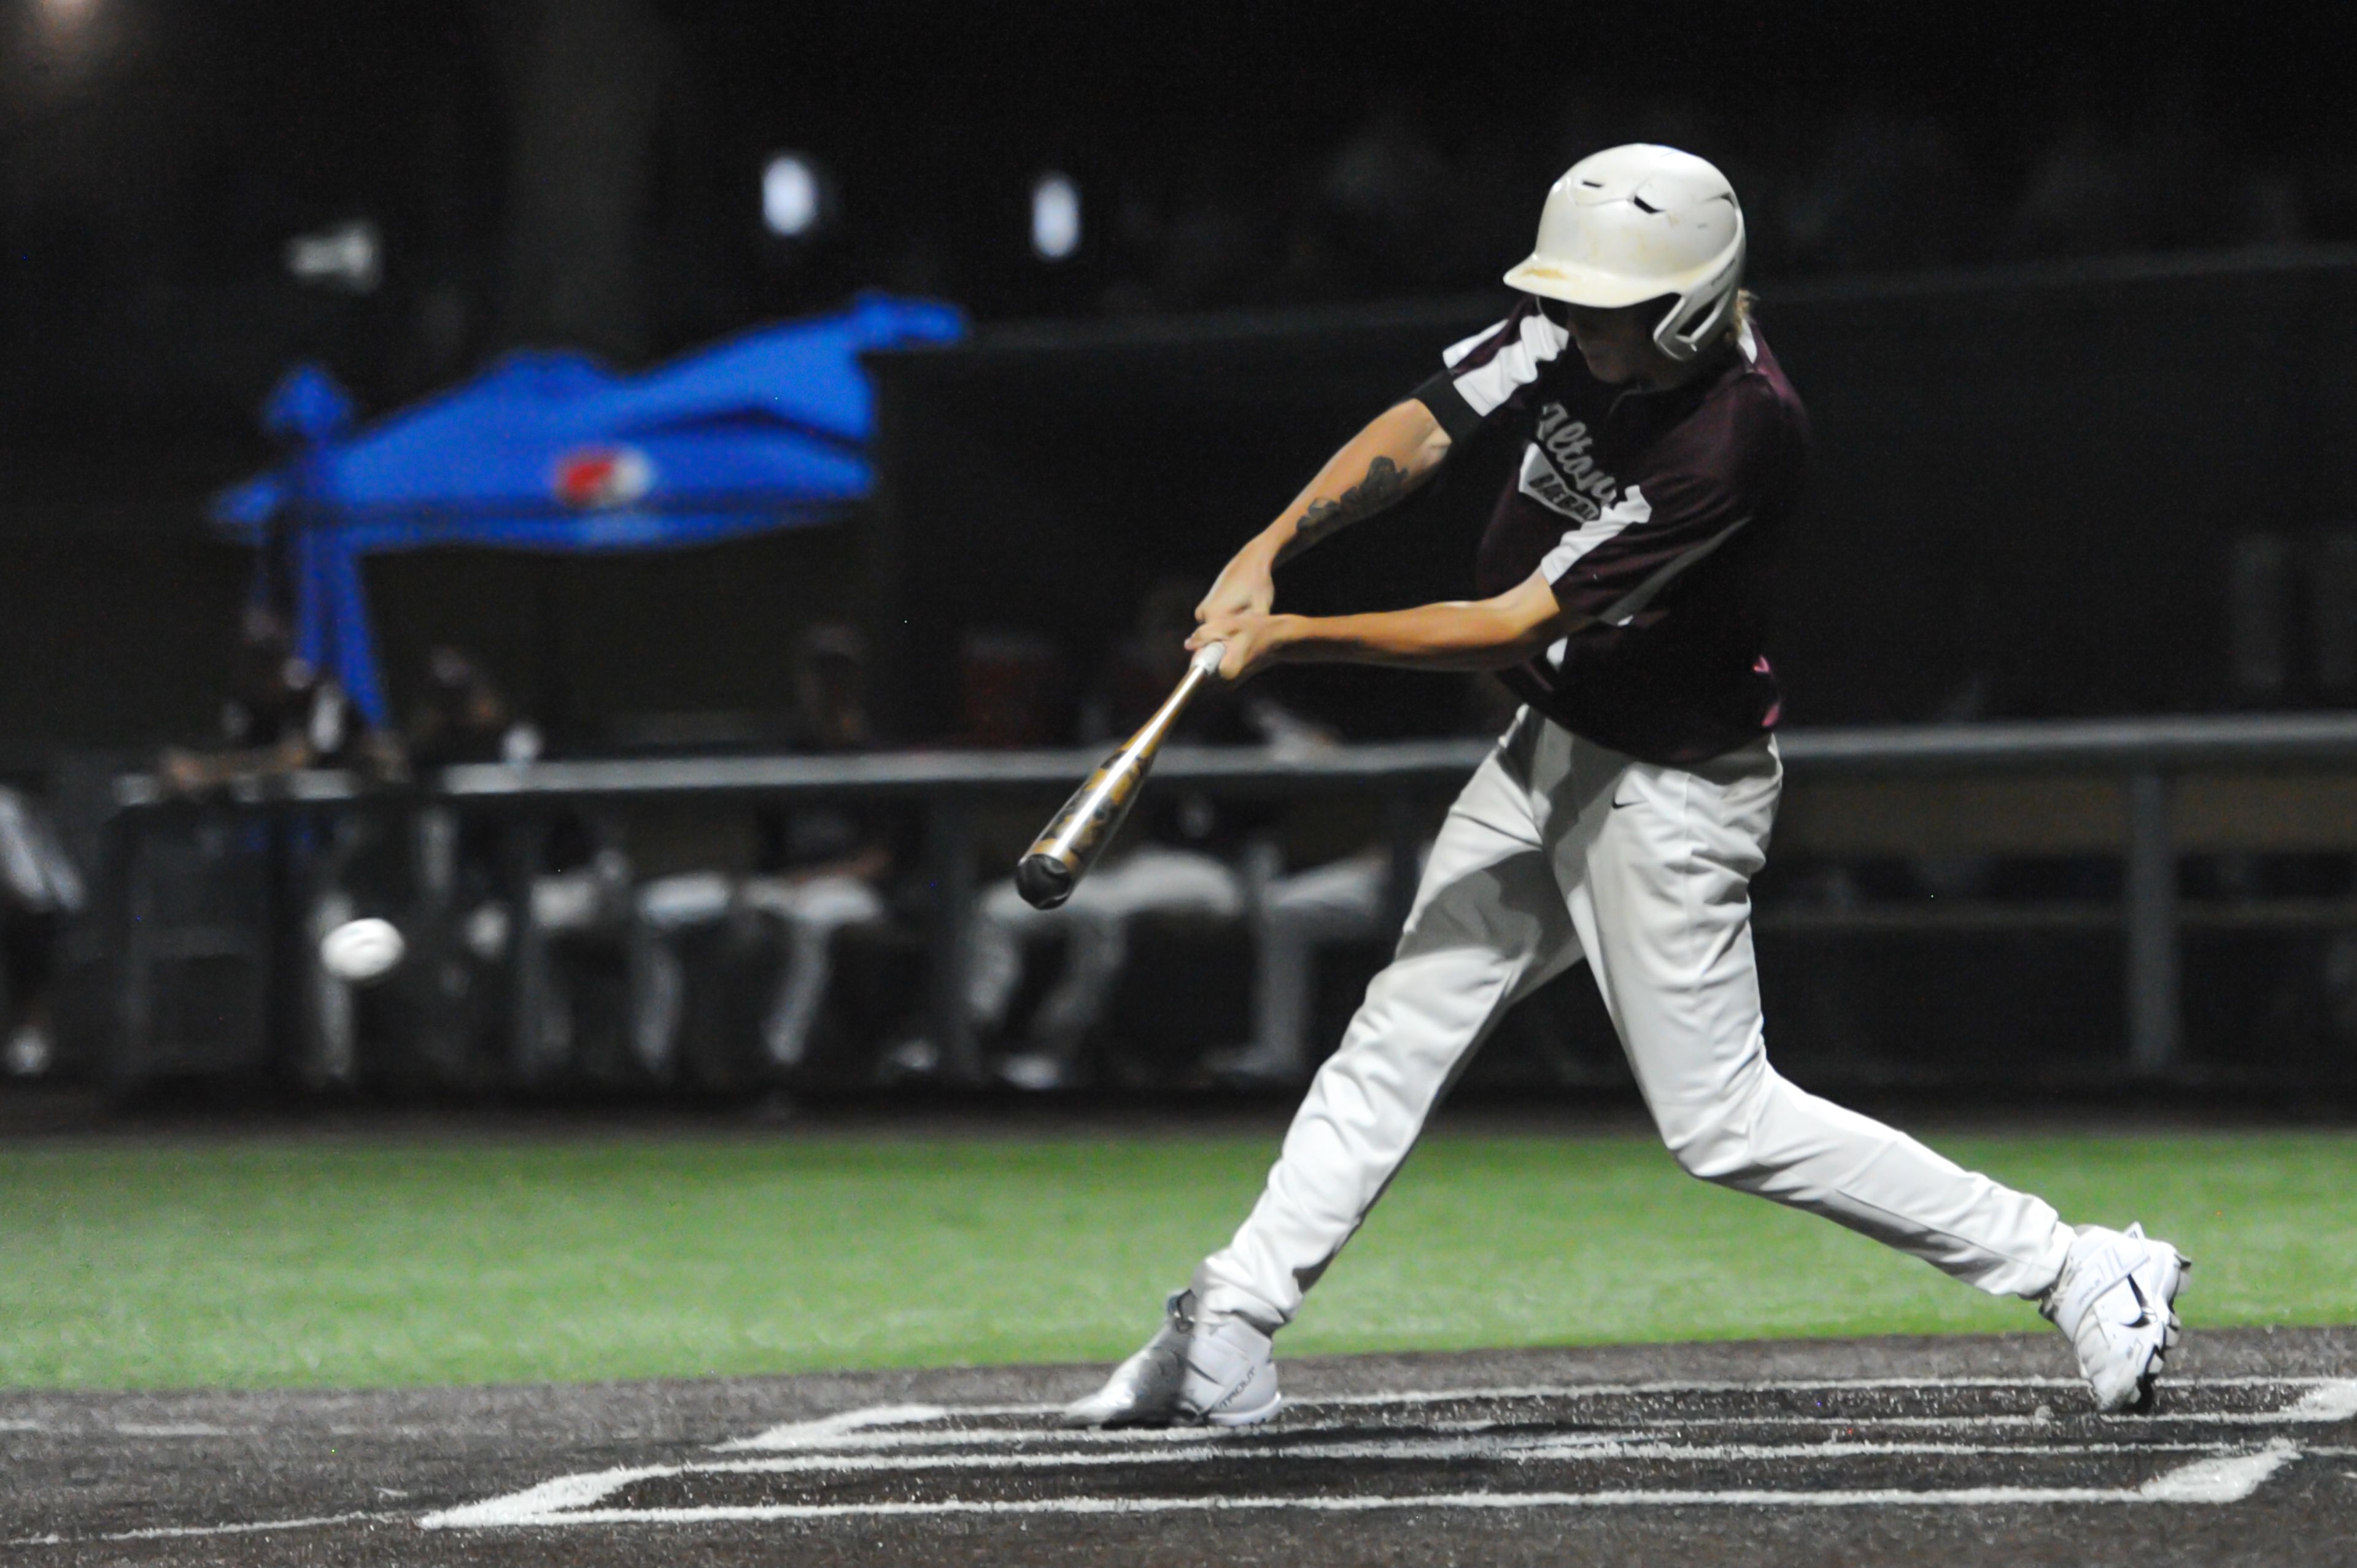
x: 1044, y: 881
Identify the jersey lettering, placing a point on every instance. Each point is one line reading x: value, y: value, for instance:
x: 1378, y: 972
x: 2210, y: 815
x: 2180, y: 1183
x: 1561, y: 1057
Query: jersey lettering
x: 1558, y: 471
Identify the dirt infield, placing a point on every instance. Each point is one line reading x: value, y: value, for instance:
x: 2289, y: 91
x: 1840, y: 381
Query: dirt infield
x: 1965, y: 1450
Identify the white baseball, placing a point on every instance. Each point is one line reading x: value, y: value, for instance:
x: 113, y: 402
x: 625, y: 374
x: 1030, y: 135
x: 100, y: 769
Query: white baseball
x: 361, y: 951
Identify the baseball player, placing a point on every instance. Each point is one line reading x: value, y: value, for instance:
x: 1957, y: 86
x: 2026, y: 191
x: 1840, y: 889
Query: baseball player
x: 1623, y: 815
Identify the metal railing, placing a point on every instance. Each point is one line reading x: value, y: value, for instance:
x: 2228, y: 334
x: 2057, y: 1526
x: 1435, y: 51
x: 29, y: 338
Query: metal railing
x: 2143, y: 760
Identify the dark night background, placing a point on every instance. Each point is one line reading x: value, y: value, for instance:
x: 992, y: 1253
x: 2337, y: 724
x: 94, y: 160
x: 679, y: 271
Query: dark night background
x: 158, y: 156
x: 587, y: 173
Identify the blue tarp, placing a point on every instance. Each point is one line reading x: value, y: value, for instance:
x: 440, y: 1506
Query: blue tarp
x: 553, y: 451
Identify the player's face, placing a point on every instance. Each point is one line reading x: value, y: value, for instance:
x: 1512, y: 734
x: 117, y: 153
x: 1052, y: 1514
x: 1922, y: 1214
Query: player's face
x: 1617, y: 344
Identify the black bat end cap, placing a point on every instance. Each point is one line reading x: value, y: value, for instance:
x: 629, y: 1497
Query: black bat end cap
x: 1044, y: 881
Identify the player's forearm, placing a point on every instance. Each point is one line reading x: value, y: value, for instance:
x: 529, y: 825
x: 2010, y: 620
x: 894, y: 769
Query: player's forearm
x: 1396, y: 452
x: 1488, y: 634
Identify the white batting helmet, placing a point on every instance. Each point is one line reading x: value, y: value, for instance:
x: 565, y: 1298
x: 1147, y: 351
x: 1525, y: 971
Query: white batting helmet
x: 1634, y: 223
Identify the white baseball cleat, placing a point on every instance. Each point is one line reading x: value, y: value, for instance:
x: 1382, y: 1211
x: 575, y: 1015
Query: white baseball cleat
x: 2114, y: 1302
x: 1219, y: 1373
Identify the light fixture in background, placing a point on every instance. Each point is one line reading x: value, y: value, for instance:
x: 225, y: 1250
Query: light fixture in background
x: 793, y: 196
x: 68, y: 42
x: 349, y: 257
x: 66, y: 17
x: 1055, y: 217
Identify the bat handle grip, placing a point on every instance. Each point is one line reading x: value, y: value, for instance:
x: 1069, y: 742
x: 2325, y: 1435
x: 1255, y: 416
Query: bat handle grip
x: 1207, y: 659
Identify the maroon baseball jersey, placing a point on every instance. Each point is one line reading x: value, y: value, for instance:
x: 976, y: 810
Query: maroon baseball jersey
x: 1657, y: 514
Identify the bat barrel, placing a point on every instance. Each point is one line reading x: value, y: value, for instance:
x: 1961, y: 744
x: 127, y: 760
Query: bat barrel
x: 1079, y: 833
x: 1060, y: 857
x: 1044, y: 881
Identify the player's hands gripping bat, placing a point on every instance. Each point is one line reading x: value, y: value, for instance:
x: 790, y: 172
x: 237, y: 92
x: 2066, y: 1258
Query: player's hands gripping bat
x: 1077, y: 835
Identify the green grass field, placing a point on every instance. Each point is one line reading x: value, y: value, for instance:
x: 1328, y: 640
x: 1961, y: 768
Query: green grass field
x: 292, y: 1262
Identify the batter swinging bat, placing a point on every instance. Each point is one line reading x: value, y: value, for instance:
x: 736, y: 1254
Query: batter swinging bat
x: 1078, y: 835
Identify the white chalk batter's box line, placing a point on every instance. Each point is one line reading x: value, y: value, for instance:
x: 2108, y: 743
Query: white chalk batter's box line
x: 910, y: 1439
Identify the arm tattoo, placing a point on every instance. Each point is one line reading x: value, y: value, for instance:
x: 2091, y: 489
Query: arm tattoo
x: 1385, y: 482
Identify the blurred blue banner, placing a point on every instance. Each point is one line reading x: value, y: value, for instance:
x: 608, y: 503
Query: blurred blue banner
x: 553, y: 451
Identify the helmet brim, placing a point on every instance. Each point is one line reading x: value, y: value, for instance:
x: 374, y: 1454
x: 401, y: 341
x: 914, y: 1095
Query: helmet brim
x: 1590, y: 287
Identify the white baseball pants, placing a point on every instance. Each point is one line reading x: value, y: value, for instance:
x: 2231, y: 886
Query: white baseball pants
x: 1559, y: 849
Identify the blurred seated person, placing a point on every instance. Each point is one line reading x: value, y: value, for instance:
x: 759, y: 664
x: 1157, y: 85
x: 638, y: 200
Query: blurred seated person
x: 1338, y: 902
x: 463, y: 716
x: 41, y: 889
x: 1175, y: 855
x: 282, y: 714
x: 1293, y: 916
x: 821, y: 870
x: 460, y: 715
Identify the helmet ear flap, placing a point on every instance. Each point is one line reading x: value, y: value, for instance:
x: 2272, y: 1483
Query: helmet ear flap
x: 1684, y: 343
x: 1706, y: 310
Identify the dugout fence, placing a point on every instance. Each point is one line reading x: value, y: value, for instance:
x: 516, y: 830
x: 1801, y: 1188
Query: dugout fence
x: 206, y: 943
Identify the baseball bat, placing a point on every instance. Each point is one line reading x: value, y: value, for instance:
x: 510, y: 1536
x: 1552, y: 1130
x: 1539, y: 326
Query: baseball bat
x: 1077, y: 835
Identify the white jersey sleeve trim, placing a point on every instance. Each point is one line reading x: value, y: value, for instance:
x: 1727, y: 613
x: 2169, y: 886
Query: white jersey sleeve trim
x: 1455, y: 353
x: 1515, y: 364
x: 1631, y: 509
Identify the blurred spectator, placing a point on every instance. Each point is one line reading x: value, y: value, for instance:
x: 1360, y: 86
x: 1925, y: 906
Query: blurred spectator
x: 463, y: 716
x: 284, y: 714
x: 437, y: 876
x: 40, y: 890
x: 281, y: 716
x: 456, y: 921
x: 569, y: 974
x: 1175, y: 859
x: 459, y: 716
x: 1295, y: 916
x: 821, y: 871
